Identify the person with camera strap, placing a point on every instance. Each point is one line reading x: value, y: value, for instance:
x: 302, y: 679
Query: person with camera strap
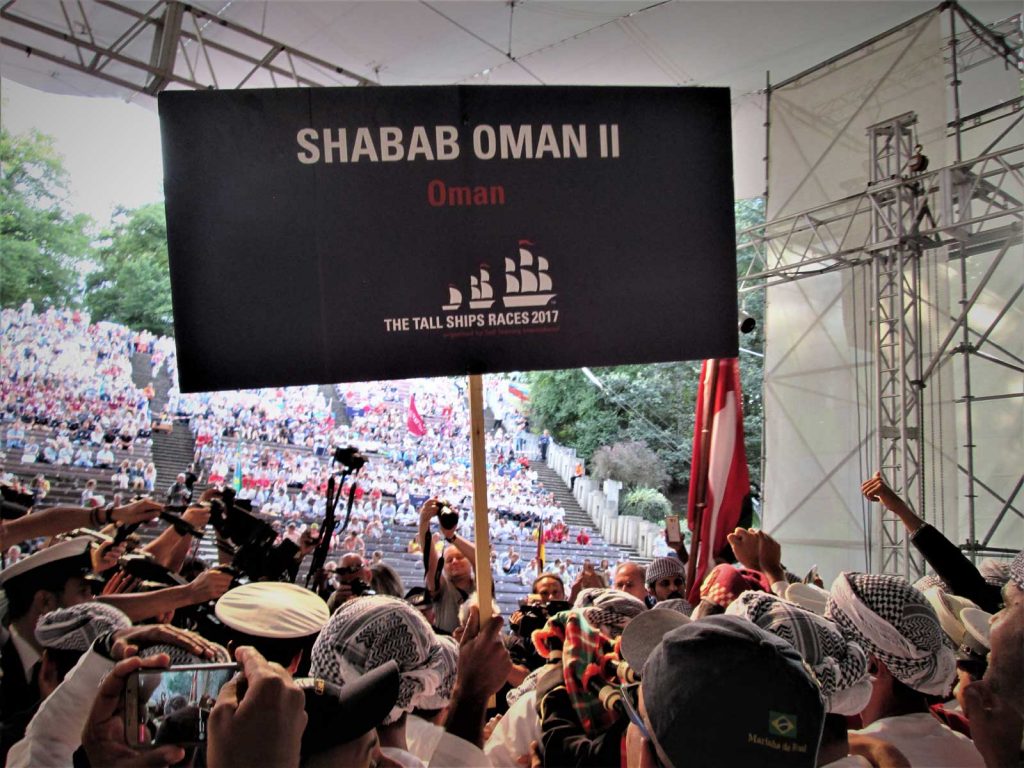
x: 452, y: 582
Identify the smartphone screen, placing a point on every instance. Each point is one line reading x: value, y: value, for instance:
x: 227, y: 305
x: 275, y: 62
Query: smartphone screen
x: 171, y: 706
x: 672, y: 528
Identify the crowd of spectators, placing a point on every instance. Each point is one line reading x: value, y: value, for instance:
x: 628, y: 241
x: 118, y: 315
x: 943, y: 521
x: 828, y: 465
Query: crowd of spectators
x: 66, y: 390
x: 605, y: 664
x: 274, y: 447
x: 761, y: 669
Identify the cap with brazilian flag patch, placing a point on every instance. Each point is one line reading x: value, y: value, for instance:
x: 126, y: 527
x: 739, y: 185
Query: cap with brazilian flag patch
x: 722, y: 691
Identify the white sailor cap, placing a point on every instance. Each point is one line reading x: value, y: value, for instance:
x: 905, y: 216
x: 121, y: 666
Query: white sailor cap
x: 273, y: 609
x: 37, y: 571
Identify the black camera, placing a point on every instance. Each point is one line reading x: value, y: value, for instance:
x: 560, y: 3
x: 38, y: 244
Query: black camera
x: 15, y: 503
x: 446, y: 516
x: 250, y: 541
x: 350, y: 458
x: 360, y: 588
x: 536, y: 615
x: 142, y: 566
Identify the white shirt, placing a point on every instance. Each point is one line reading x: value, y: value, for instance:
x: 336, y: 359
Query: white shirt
x: 55, y: 732
x: 453, y: 752
x: 926, y: 742
x: 511, y: 737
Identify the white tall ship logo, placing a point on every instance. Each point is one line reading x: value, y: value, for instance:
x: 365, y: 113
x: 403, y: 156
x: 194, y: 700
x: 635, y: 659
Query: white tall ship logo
x: 527, y: 284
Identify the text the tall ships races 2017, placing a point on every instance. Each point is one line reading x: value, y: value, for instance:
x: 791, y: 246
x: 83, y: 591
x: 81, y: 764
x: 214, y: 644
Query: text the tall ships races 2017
x: 387, y: 144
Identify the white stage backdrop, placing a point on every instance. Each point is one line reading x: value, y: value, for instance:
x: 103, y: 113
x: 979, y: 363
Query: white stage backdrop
x: 819, y: 424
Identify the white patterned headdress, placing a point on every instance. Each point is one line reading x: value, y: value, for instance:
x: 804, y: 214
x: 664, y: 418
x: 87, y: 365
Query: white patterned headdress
x: 893, y: 621
x: 367, y: 632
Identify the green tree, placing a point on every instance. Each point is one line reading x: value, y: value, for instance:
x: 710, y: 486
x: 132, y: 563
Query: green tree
x: 654, y: 404
x: 632, y: 463
x: 132, y: 282
x: 41, y: 242
x: 646, y: 503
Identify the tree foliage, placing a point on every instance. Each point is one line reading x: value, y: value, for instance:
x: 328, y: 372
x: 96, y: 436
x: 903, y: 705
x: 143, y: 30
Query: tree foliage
x: 41, y: 242
x: 653, y: 404
x: 632, y: 463
x: 647, y: 503
x: 132, y: 282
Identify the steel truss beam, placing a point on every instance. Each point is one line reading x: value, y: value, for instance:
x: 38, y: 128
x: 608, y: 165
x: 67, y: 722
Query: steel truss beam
x: 970, y: 208
x: 186, y: 47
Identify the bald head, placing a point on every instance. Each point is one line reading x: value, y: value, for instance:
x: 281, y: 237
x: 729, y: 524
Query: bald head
x: 629, y: 578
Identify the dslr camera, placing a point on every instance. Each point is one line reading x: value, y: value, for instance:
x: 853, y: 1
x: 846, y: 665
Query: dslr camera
x: 250, y: 540
x: 350, y: 458
x: 536, y: 615
x: 447, y: 516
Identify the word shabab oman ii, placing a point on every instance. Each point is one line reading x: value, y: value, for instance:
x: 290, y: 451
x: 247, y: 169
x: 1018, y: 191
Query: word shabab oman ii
x: 387, y: 144
x: 390, y: 143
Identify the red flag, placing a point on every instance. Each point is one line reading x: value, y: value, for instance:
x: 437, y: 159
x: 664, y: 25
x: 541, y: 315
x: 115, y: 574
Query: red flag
x: 415, y: 421
x: 718, y: 475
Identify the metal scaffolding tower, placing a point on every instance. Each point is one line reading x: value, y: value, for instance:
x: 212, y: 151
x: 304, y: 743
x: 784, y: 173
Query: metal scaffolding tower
x: 968, y: 215
x: 895, y: 250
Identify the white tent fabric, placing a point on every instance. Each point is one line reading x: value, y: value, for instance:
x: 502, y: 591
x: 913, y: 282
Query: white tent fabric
x: 400, y: 42
x: 819, y: 429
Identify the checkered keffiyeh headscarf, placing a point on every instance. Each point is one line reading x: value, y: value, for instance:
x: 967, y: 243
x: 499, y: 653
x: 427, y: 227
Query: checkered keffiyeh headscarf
x: 608, y: 609
x: 928, y: 581
x: 893, y: 621
x: 677, y: 605
x: 447, y: 666
x: 365, y: 633
x: 994, y: 572
x: 661, y: 568
x: 75, y: 628
x: 724, y: 583
x: 1017, y: 570
x: 840, y: 666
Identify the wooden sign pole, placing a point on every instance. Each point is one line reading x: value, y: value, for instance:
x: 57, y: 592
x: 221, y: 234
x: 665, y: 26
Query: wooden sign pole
x: 484, y: 585
x: 707, y: 414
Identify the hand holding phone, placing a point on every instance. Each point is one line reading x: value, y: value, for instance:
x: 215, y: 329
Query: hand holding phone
x: 172, y: 706
x: 672, y: 532
x: 103, y: 737
x: 259, y: 716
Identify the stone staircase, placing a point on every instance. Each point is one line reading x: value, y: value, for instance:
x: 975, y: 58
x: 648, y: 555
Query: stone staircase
x: 575, y: 517
x: 337, y: 404
x: 173, y: 452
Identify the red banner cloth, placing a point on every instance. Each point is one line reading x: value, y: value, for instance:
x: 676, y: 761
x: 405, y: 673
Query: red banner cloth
x: 725, y: 465
x: 415, y: 421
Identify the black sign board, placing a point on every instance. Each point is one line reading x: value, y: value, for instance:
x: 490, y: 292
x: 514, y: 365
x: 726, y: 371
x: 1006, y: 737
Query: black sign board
x: 352, y: 234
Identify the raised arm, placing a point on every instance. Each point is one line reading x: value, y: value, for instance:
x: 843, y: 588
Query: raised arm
x: 209, y: 585
x: 50, y: 522
x: 430, y: 557
x: 170, y: 548
x: 942, y: 555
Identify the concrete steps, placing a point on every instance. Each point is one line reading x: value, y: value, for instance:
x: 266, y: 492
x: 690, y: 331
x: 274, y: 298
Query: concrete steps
x: 575, y: 516
x: 173, y: 452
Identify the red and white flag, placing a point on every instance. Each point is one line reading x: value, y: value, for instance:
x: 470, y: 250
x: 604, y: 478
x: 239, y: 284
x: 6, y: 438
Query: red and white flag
x: 728, y: 479
x: 415, y: 421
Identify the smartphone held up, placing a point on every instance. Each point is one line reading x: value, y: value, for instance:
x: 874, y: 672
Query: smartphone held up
x: 172, y: 706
